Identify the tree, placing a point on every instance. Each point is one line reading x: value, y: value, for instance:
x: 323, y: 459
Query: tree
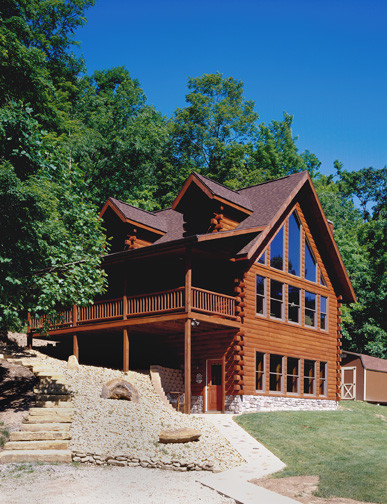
x: 117, y: 139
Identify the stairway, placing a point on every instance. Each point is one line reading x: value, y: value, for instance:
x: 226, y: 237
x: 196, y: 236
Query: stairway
x: 169, y: 384
x: 44, y: 436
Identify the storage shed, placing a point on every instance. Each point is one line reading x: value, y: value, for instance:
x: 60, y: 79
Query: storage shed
x: 363, y: 378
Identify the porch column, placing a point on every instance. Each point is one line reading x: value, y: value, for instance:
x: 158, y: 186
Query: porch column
x: 187, y: 366
x: 29, y: 340
x: 188, y: 280
x: 75, y: 346
x: 125, y: 361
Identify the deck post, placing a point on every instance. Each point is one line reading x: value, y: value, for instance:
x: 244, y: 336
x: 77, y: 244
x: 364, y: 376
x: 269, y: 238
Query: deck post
x: 187, y: 366
x: 75, y: 346
x: 124, y: 296
x: 125, y: 360
x: 188, y: 280
x: 29, y: 340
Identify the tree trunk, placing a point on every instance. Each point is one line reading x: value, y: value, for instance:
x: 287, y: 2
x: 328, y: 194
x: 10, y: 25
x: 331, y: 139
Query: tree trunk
x: 3, y: 334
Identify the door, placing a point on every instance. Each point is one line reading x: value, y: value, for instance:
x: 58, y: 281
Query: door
x: 348, y: 383
x: 214, y: 385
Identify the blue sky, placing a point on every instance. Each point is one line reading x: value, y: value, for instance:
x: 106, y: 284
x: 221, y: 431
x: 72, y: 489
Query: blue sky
x: 325, y: 62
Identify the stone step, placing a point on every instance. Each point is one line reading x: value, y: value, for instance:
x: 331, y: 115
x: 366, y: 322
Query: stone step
x: 47, y: 444
x: 39, y: 435
x: 69, y: 410
x: 50, y: 374
x: 53, y: 401
x: 47, y: 426
x: 18, y: 456
x: 52, y: 390
x: 48, y: 419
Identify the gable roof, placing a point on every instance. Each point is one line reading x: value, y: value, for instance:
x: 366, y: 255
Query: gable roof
x: 214, y: 190
x: 136, y: 216
x: 265, y: 204
x: 369, y: 362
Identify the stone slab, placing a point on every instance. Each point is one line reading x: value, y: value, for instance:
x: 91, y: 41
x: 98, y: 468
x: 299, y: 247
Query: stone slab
x: 53, y: 426
x: 56, y: 444
x: 20, y: 456
x: 55, y: 411
x: 38, y: 435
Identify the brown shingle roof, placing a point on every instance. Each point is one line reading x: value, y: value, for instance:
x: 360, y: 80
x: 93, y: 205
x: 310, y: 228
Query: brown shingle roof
x: 225, y: 192
x: 369, y: 362
x: 135, y: 214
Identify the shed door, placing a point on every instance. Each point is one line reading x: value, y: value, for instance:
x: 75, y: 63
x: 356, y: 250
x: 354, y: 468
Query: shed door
x: 348, y: 383
x: 214, y: 385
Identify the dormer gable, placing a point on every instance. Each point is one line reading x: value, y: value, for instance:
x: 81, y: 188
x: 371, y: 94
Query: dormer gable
x: 209, y: 207
x: 129, y: 227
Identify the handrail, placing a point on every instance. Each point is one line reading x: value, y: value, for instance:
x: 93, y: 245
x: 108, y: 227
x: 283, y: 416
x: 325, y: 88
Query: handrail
x: 203, y: 300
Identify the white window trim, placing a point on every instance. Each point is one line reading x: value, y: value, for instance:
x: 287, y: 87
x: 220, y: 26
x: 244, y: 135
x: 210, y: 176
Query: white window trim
x: 326, y: 329
x: 299, y: 306
x: 279, y: 301
x: 314, y: 393
x: 298, y: 376
x: 264, y: 297
x: 315, y: 311
x: 282, y: 391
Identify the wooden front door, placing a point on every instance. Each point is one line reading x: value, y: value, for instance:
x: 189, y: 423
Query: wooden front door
x: 214, y: 385
x: 348, y: 383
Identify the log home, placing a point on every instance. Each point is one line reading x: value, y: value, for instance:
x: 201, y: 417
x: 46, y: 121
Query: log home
x: 242, y: 290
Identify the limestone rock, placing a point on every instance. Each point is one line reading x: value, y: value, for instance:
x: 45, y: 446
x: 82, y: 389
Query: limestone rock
x: 119, y: 389
x: 184, y: 435
x: 72, y: 363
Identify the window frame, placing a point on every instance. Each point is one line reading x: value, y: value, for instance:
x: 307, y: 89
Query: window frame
x: 263, y: 372
x: 263, y: 296
x: 264, y: 262
x: 314, y: 311
x: 299, y: 305
x: 311, y: 379
x: 273, y: 373
x: 295, y: 214
x: 325, y: 314
x: 281, y: 229
x: 323, y: 381
x: 297, y: 376
x: 282, y: 300
x: 307, y: 246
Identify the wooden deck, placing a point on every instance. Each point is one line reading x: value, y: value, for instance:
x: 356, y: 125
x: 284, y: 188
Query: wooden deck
x: 142, y: 305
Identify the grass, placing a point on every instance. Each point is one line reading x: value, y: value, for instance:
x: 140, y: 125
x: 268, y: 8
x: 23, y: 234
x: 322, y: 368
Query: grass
x: 4, y: 434
x: 347, y: 448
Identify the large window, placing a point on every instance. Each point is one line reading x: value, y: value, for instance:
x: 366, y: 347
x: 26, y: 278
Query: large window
x: 293, y: 375
x: 261, y: 295
x: 276, y: 299
x: 294, y: 303
x: 277, y: 250
x: 262, y: 258
x: 294, y: 259
x: 310, y: 264
x: 276, y: 373
x: 323, y: 379
x: 309, y: 377
x: 260, y: 371
x: 310, y: 309
x: 323, y: 313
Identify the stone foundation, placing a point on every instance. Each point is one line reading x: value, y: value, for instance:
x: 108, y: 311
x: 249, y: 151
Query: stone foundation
x: 196, y: 404
x: 252, y: 403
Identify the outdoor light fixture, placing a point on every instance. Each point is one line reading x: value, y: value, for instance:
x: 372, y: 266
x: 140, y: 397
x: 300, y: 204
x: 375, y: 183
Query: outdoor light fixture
x: 194, y: 323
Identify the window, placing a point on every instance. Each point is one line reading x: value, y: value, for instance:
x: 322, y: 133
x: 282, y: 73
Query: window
x: 276, y: 299
x: 293, y: 375
x: 294, y: 304
x: 322, y: 280
x: 277, y: 250
x: 262, y: 258
x: 310, y: 264
x: 323, y: 313
x: 260, y: 371
x: 309, y: 377
x: 276, y: 373
x: 294, y: 259
x: 310, y: 309
x: 261, y: 295
x: 323, y: 379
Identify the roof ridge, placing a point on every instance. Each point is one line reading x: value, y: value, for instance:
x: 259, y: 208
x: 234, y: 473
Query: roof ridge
x: 273, y: 180
x: 216, y: 182
x: 132, y: 206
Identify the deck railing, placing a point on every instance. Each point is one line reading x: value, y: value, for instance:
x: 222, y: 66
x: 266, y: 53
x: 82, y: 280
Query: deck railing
x: 203, y: 301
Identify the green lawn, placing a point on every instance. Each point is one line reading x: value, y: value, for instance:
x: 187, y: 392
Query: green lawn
x: 347, y: 448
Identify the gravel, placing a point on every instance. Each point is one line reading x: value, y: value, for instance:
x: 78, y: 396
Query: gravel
x: 114, y: 428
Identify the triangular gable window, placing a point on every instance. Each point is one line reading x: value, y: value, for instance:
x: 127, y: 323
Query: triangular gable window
x: 310, y: 263
x: 277, y: 251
